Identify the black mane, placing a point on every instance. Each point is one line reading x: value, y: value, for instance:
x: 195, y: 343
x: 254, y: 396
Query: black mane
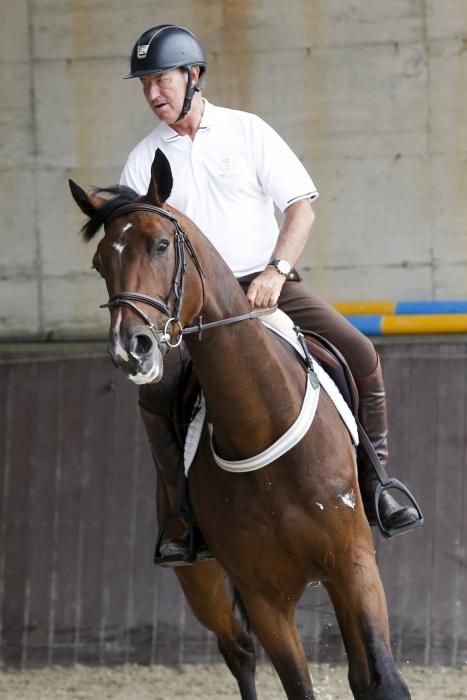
x: 122, y: 195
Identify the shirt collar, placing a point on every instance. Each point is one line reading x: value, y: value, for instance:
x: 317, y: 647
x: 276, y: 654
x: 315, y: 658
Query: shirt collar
x: 208, y: 118
x: 207, y: 121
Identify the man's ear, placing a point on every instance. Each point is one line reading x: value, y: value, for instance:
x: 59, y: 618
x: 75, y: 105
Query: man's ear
x: 87, y: 202
x: 194, y: 75
x: 161, y: 183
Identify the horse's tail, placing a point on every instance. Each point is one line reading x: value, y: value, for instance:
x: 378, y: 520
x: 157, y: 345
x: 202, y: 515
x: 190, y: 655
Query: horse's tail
x: 238, y: 605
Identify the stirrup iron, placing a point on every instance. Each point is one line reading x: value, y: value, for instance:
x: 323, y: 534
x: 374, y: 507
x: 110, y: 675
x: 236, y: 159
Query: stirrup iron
x: 183, y: 513
x: 173, y: 560
x: 399, y: 486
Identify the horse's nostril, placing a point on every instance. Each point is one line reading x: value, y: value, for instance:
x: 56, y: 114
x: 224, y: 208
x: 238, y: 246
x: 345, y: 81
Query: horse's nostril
x: 141, y: 345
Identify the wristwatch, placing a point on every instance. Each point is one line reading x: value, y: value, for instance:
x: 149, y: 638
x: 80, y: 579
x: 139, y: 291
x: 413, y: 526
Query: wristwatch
x: 281, y: 266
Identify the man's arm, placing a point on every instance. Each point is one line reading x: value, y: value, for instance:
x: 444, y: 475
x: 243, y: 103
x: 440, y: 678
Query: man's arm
x: 265, y: 289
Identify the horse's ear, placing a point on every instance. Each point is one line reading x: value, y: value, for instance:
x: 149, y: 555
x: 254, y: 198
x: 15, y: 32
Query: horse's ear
x: 161, y: 183
x: 81, y: 199
x: 87, y: 202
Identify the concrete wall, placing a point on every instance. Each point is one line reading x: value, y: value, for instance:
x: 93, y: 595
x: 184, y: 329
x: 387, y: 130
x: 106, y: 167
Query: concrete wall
x: 370, y: 95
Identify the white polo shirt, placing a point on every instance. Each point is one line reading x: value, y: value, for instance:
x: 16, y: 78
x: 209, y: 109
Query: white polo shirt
x: 227, y: 180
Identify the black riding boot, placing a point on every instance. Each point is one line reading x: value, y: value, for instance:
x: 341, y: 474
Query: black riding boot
x: 168, y: 457
x: 373, y: 417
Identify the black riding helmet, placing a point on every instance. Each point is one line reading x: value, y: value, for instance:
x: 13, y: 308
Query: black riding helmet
x: 165, y: 47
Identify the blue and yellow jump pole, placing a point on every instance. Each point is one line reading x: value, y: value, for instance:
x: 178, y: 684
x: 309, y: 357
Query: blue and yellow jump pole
x: 406, y: 317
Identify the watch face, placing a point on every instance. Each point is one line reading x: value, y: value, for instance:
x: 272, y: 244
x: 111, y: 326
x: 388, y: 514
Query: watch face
x: 283, y: 267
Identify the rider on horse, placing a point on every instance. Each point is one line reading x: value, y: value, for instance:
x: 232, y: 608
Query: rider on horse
x: 228, y: 163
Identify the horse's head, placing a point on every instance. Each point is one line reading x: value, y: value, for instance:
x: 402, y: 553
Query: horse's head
x: 144, y: 257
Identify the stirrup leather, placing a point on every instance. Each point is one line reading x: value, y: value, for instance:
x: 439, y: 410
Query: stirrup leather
x: 385, y: 483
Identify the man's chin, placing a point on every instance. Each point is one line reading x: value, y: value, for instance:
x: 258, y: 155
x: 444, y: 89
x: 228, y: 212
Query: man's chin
x: 165, y: 115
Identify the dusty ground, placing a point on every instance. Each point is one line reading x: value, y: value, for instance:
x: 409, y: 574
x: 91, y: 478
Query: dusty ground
x: 162, y: 683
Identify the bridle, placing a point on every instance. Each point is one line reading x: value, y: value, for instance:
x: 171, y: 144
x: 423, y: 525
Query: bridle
x: 182, y: 243
x: 127, y: 299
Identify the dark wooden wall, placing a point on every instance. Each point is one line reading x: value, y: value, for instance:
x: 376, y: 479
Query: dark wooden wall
x: 77, y: 521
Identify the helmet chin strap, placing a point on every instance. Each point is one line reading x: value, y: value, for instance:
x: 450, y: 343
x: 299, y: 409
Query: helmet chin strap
x: 189, y: 94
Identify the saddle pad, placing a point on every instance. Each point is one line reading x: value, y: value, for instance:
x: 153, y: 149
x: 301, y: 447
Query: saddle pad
x: 281, y: 325
x: 193, y: 434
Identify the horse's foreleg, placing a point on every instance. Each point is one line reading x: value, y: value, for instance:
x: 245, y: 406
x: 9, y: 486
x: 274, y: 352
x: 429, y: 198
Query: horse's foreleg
x: 207, y: 595
x: 360, y: 604
x: 205, y: 590
x: 273, y: 622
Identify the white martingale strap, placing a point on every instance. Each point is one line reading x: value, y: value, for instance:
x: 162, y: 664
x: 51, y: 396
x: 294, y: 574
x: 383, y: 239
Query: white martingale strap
x: 285, y: 443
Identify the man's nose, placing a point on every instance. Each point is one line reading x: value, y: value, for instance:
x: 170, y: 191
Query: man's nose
x: 152, y: 91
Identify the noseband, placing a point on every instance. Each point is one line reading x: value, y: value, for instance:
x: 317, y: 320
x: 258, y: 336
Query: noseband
x: 181, y: 242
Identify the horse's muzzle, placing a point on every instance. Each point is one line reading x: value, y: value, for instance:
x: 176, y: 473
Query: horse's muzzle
x: 139, y: 356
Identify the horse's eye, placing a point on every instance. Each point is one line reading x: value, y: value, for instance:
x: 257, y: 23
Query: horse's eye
x: 162, y: 246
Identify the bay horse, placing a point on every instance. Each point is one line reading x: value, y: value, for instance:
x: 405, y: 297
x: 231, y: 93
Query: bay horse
x: 274, y: 530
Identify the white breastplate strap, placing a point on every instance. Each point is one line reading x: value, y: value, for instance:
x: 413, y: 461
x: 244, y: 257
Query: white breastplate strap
x: 285, y: 443
x: 283, y: 326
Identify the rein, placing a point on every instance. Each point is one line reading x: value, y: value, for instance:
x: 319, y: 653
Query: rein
x: 181, y: 242
x: 200, y: 327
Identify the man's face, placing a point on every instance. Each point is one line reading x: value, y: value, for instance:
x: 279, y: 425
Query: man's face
x: 165, y: 93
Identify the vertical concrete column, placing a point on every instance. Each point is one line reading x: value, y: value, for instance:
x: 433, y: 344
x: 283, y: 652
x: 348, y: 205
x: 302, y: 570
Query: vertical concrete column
x: 19, y: 258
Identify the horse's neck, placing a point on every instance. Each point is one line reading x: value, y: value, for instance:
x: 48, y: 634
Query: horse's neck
x: 253, y: 388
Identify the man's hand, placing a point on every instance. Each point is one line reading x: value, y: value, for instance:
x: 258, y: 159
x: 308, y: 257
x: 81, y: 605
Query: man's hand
x: 265, y: 289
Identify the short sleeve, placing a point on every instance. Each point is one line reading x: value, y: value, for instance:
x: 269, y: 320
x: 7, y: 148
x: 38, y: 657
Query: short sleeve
x: 135, y: 175
x: 281, y: 174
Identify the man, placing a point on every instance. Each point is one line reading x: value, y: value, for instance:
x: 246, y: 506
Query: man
x: 224, y: 162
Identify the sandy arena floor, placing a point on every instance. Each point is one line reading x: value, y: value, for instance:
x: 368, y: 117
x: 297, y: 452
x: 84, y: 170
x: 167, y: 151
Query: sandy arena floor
x: 196, y: 682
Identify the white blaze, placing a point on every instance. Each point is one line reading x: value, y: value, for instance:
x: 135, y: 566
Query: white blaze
x: 119, y: 349
x: 119, y: 247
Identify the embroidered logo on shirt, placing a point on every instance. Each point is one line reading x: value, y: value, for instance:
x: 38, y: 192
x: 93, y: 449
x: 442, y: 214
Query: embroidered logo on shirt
x: 228, y: 168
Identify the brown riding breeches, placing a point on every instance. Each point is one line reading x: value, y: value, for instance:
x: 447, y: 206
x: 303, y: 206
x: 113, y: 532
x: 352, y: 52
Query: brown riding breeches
x: 312, y: 313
